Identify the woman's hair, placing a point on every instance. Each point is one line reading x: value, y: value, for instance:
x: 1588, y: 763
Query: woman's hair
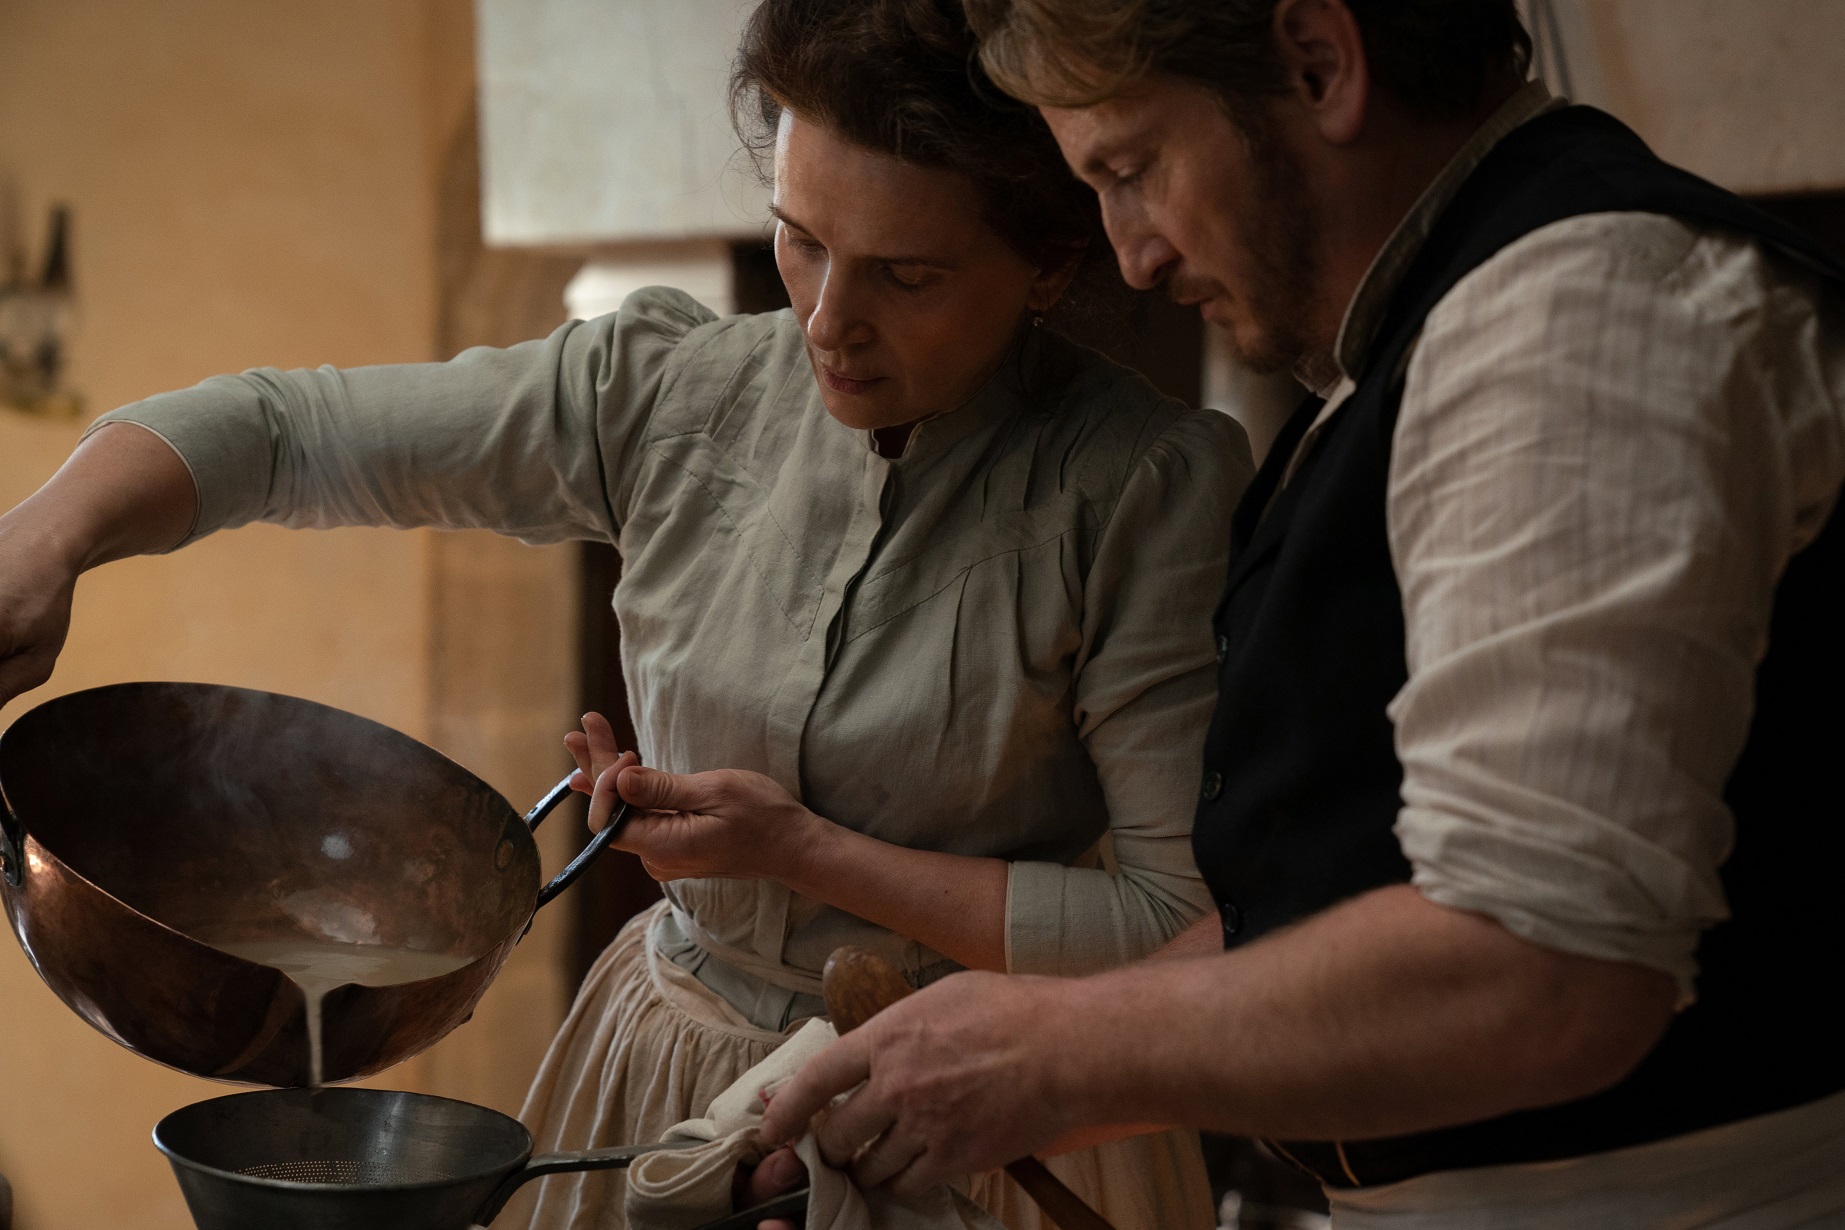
x: 902, y: 77
x: 1435, y: 56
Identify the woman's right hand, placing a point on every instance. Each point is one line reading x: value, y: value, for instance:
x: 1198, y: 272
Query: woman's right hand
x: 36, y: 585
x: 124, y: 491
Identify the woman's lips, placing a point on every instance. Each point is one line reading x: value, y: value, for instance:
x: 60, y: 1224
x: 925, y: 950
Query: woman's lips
x: 845, y: 384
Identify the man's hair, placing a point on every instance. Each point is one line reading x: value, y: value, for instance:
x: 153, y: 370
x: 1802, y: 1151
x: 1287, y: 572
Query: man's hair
x: 901, y: 77
x: 1434, y: 56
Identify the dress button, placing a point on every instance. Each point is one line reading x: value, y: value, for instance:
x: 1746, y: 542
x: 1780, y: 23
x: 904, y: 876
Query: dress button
x: 1232, y: 919
x: 1213, y: 785
x: 1223, y: 648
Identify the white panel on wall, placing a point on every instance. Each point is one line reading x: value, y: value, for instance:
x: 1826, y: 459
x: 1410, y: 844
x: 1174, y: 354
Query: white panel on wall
x: 1260, y: 401
x: 608, y: 121
x: 1748, y: 95
x: 702, y: 269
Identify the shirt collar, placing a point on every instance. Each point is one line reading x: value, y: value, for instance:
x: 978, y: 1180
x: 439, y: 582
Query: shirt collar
x: 1365, y: 314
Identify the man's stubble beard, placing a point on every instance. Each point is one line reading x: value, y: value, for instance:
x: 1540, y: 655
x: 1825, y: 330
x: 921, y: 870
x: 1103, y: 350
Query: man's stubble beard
x: 1280, y: 225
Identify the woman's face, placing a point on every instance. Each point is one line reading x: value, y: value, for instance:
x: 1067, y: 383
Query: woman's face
x: 909, y: 300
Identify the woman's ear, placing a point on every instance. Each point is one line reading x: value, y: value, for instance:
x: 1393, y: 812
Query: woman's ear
x: 1050, y: 284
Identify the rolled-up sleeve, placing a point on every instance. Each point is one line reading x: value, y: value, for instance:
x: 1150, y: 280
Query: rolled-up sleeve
x: 1613, y: 436
x: 1146, y: 683
x: 535, y: 441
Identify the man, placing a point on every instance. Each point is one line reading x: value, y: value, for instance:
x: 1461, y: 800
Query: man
x: 1529, y: 658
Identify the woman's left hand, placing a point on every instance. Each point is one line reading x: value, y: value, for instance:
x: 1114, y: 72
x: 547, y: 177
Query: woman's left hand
x: 727, y: 823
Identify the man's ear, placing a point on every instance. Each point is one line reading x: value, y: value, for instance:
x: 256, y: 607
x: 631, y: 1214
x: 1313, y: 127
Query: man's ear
x: 1050, y: 284
x: 1323, y: 61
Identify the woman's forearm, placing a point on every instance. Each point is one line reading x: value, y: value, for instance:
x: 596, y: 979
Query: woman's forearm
x: 122, y: 492
x: 951, y: 902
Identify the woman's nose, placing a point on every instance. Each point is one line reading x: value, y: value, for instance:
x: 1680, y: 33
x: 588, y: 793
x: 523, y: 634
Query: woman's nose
x: 838, y: 319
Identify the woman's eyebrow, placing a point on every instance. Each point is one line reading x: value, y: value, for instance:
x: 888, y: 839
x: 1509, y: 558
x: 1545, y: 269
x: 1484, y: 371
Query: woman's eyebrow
x: 932, y: 262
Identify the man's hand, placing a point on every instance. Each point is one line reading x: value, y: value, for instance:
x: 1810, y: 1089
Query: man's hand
x: 724, y: 823
x: 961, y: 1077
x: 776, y: 1175
x: 1384, y: 1015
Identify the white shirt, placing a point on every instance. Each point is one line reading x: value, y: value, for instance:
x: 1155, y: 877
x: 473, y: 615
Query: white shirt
x: 1613, y: 436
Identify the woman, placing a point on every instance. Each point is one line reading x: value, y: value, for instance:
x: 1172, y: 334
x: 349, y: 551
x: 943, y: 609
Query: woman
x: 899, y: 554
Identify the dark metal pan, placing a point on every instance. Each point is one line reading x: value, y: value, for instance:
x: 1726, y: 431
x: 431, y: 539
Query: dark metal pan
x: 367, y: 1159
x: 136, y: 819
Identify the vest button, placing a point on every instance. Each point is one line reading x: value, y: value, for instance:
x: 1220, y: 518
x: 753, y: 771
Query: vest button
x: 1223, y: 648
x: 1213, y: 785
x: 1232, y: 919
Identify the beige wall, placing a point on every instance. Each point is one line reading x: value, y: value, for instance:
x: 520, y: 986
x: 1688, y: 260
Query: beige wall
x: 1747, y: 94
x: 257, y: 184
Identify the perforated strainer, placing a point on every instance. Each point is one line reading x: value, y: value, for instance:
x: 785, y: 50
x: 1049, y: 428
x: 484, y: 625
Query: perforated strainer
x: 355, y: 1159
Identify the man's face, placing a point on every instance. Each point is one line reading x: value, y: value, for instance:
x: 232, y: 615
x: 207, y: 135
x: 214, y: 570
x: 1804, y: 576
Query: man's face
x: 1219, y: 211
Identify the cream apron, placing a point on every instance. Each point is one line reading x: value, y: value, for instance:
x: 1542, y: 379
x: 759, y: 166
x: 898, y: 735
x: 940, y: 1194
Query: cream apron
x: 648, y: 1045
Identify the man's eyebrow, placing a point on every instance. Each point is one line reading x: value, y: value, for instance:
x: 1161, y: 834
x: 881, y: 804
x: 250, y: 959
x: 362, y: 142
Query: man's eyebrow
x: 931, y: 262
x: 1098, y: 158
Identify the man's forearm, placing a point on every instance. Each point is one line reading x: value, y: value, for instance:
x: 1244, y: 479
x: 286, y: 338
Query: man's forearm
x: 1387, y: 1014
x: 1384, y: 1015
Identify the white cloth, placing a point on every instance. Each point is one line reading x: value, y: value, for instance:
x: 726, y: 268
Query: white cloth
x: 682, y: 1190
x: 1613, y: 436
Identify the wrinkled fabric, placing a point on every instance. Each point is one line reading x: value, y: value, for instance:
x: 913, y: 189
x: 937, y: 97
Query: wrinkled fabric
x: 1613, y: 436
x: 681, y: 1190
x: 647, y: 1046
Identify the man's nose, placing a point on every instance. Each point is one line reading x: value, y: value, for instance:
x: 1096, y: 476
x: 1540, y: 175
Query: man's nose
x: 1145, y: 255
x: 838, y: 319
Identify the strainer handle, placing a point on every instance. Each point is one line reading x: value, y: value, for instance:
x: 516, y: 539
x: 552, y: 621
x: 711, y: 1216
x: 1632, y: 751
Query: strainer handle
x: 560, y: 1163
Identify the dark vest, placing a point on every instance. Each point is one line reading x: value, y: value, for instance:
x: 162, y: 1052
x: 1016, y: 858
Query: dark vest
x: 1302, y: 783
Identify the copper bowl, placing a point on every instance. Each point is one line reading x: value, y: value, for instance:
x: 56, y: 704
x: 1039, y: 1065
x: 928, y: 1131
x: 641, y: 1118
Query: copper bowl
x: 136, y: 819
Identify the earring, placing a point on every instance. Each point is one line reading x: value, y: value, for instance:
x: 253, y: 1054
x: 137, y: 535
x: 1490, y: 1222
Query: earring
x: 1037, y: 320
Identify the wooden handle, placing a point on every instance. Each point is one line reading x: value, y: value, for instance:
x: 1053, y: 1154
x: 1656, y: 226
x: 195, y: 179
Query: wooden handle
x: 858, y: 985
x: 1064, y: 1207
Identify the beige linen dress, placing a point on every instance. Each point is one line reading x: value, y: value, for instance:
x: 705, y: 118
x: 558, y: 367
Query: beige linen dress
x: 997, y: 644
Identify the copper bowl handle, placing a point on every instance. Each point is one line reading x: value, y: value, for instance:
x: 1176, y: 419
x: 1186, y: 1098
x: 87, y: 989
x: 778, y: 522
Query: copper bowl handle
x: 12, y: 845
x: 589, y: 854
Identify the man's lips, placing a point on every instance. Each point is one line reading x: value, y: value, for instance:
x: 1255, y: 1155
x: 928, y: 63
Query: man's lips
x: 841, y: 383
x: 1210, y: 305
x: 1193, y: 296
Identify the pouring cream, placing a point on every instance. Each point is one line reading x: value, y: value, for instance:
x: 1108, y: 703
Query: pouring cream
x: 320, y: 966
